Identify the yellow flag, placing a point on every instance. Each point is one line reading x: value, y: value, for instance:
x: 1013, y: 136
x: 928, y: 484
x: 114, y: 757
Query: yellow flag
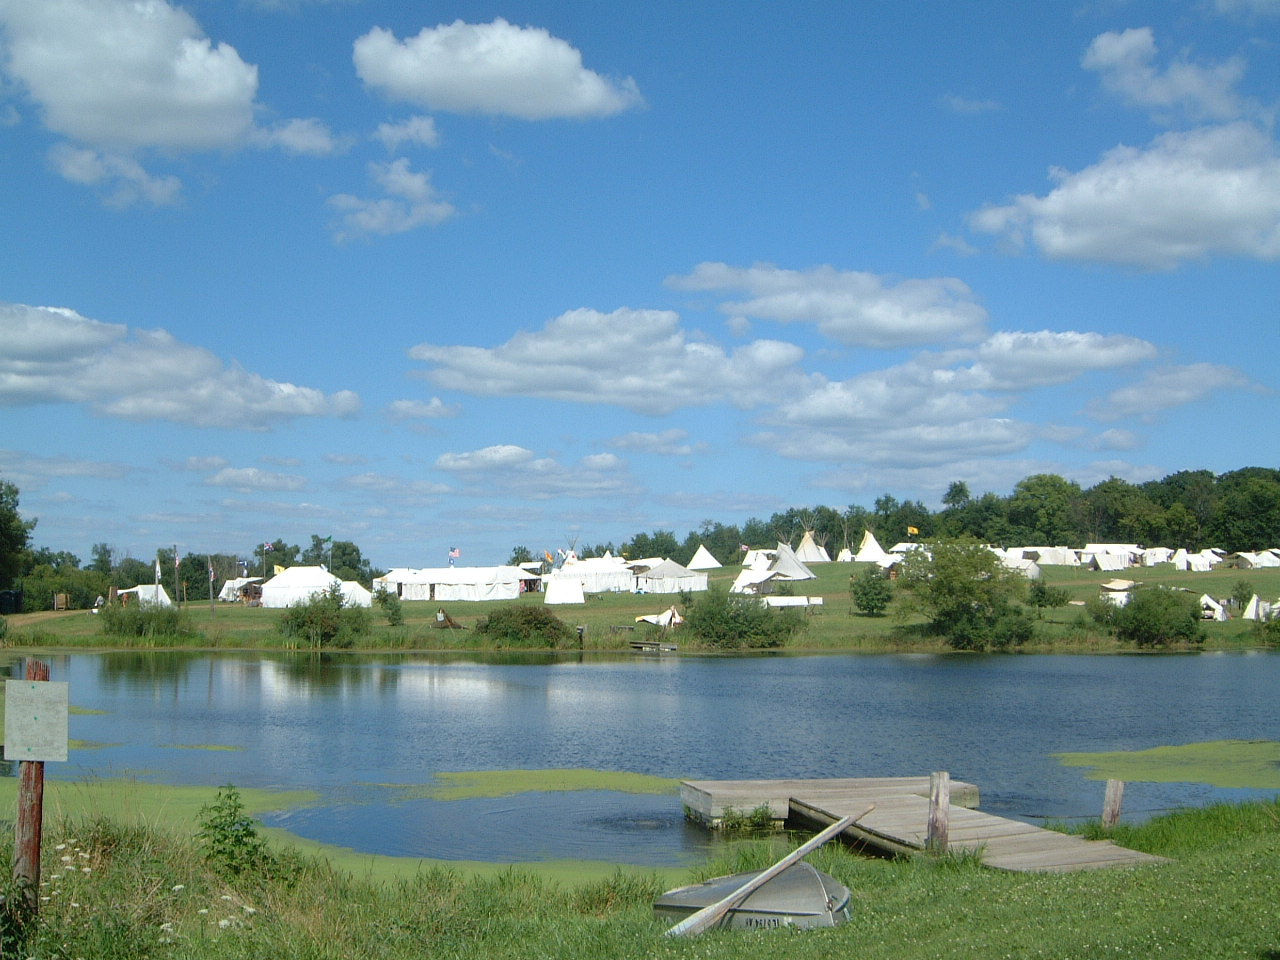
x: 279, y: 569
x: 913, y: 531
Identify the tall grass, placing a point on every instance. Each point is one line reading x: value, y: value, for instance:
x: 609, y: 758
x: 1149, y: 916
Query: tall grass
x: 113, y: 892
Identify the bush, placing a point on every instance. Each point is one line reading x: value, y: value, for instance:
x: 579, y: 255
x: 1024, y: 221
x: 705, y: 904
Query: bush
x: 1159, y: 617
x: 1268, y: 632
x: 1242, y: 592
x: 871, y: 591
x: 524, y: 625
x: 231, y: 842
x: 391, y: 607
x: 145, y: 621
x: 1040, y: 594
x: 325, y: 620
x: 730, y: 621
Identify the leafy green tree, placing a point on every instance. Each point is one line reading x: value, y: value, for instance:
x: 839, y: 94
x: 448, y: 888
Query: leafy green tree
x: 82, y: 587
x: 957, y: 494
x: 14, y: 534
x: 732, y: 621
x: 1242, y: 592
x: 871, y: 590
x: 964, y: 591
x: 518, y: 556
x: 1040, y: 594
x: 102, y: 555
x: 660, y: 543
x: 1043, y: 510
x: 1247, y: 515
x: 1156, y: 617
x: 58, y: 559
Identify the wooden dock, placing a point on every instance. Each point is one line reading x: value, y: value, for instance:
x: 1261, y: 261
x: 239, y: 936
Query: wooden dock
x: 899, y: 822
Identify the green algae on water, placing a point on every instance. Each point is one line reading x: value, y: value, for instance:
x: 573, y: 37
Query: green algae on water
x: 475, y: 784
x: 1251, y: 764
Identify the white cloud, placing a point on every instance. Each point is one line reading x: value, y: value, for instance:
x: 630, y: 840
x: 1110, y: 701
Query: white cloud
x: 638, y: 359
x: 411, y: 201
x: 669, y: 443
x: 1116, y: 440
x: 514, y: 470
x: 251, y: 479
x: 301, y: 136
x: 969, y: 105
x: 1214, y: 190
x: 416, y: 130
x: 495, y: 68
x: 123, y: 177
x: 1169, y: 387
x: 29, y: 470
x: 64, y: 357
x: 390, y: 487
x: 849, y: 306
x: 1125, y: 62
x: 125, y: 75
x: 201, y: 464
x: 1016, y: 360
x: 433, y: 409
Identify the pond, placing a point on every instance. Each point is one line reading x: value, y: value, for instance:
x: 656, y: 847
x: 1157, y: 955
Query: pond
x: 368, y: 733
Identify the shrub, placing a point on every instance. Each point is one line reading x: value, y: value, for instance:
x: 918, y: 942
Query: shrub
x: 325, y: 620
x: 730, y: 621
x: 144, y: 620
x: 1040, y: 594
x: 965, y: 592
x: 232, y: 845
x: 871, y: 591
x: 1268, y: 632
x: 1159, y: 617
x: 391, y: 606
x: 524, y: 625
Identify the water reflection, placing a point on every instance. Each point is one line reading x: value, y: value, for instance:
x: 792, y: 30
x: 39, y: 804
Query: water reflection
x: 338, y: 724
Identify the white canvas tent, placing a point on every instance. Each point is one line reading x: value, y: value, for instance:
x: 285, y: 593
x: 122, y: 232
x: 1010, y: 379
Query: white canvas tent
x: 753, y: 580
x: 667, y: 618
x: 605, y: 574
x: 300, y: 584
x: 870, y: 550
x: 1211, y: 609
x: 703, y: 560
x: 458, y: 583
x: 758, y: 559
x: 148, y: 594
x: 230, y: 591
x: 844, y: 556
x: 1257, y: 609
x: 1052, y: 556
x: 669, y: 577
x: 1116, y: 592
x: 563, y: 590
x: 787, y: 566
x: 810, y: 552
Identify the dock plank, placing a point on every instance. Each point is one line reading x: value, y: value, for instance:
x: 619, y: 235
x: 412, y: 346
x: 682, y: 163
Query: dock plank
x: 899, y: 822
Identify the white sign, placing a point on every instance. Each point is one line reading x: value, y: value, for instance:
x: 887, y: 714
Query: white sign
x: 35, y: 720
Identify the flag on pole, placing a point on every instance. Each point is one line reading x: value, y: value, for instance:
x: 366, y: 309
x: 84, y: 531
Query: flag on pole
x: 211, y: 570
x: 267, y: 547
x: 913, y: 531
x: 454, y: 554
x: 157, y: 569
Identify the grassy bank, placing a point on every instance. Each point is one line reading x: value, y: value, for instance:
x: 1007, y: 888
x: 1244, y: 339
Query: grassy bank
x: 609, y: 619
x: 117, y: 889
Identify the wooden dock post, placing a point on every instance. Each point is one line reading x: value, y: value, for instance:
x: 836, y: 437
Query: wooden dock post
x: 939, y: 811
x: 1111, y: 803
x: 30, y: 822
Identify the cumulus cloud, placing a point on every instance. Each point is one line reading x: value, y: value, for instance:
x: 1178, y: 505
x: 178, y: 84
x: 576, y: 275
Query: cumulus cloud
x: 252, y: 479
x: 388, y: 486
x: 301, y: 136
x: 419, y: 131
x: 1169, y: 387
x: 940, y: 406
x: 1125, y: 61
x: 31, y: 471
x: 520, y: 472
x: 59, y: 356
x: 638, y: 359
x: 411, y: 200
x: 669, y: 443
x: 433, y: 409
x: 494, y: 68
x: 852, y: 307
x: 123, y: 178
x: 1189, y: 195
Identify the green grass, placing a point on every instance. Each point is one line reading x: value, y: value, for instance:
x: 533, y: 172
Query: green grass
x: 608, y: 619
x: 148, y: 893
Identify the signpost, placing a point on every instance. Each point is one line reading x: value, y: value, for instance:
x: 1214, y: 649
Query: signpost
x: 35, y: 731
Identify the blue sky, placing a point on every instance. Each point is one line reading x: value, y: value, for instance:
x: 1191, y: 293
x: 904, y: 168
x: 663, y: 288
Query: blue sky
x: 423, y: 275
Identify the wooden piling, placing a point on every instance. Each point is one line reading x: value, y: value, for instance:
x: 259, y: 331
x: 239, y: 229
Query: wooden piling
x: 1112, y: 802
x: 27, y: 830
x: 939, y: 811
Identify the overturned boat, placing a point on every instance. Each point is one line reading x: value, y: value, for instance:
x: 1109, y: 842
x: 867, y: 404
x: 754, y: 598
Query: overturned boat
x: 800, y: 896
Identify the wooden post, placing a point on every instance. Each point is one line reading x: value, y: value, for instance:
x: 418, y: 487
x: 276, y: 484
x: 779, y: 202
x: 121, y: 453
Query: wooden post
x: 939, y: 811
x: 26, y: 838
x: 1112, y: 802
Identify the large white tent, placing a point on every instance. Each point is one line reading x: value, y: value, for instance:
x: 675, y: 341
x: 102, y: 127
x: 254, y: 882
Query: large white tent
x: 870, y: 551
x: 607, y: 574
x: 703, y: 560
x: 787, y: 566
x: 458, y: 583
x: 148, y: 594
x: 809, y: 550
x: 562, y: 590
x: 669, y: 577
x: 230, y: 591
x: 300, y: 584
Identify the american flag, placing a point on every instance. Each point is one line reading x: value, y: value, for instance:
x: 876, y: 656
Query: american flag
x: 454, y: 553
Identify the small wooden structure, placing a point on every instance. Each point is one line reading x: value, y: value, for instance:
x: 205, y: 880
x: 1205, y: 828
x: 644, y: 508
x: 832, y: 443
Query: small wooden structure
x: 899, y: 825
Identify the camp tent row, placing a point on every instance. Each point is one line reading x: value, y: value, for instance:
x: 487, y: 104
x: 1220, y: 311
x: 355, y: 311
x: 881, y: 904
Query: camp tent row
x: 572, y: 580
x: 300, y: 584
x: 458, y: 583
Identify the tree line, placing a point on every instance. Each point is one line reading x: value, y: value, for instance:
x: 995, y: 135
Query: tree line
x: 1192, y: 509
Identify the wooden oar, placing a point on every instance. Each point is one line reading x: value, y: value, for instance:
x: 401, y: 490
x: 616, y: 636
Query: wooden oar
x: 708, y: 917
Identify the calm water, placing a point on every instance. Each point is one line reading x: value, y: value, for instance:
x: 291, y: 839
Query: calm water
x: 353, y: 727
